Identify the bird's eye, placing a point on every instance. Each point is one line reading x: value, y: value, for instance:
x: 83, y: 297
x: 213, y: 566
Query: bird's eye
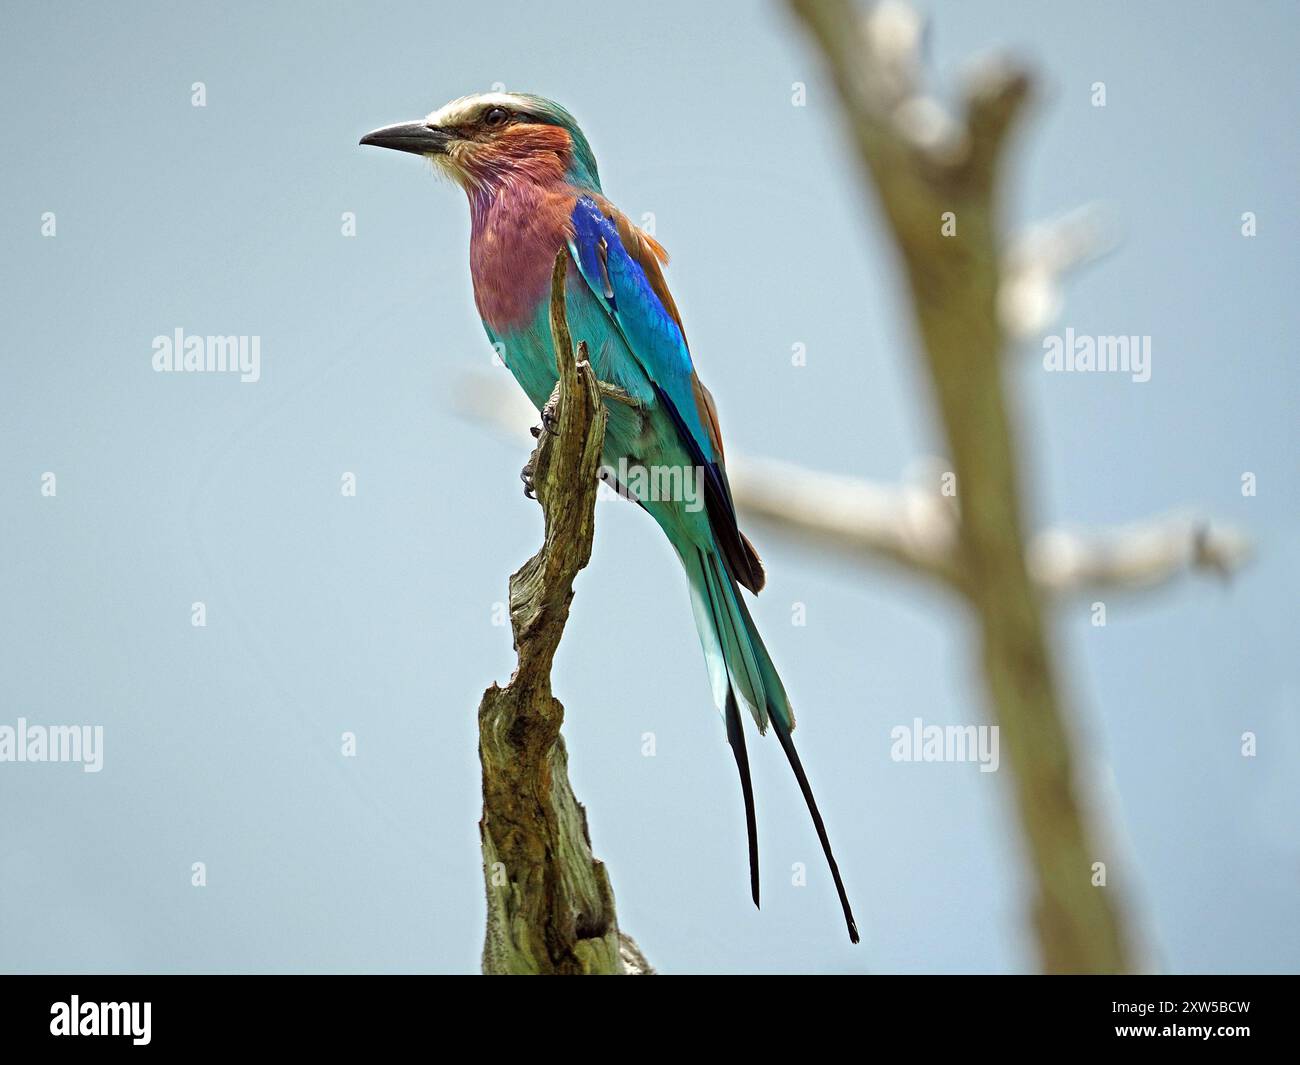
x: 496, y: 116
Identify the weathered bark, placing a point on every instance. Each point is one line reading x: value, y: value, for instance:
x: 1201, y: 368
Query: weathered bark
x: 927, y: 167
x: 550, y: 907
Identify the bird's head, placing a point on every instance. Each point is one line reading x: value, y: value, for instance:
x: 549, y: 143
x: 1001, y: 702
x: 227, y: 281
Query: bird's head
x: 483, y: 140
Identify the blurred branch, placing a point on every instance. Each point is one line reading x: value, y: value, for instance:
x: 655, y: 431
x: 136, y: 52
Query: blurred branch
x: 916, y: 529
x: 903, y: 526
x: 913, y: 528
x: 1030, y: 298
x: 550, y: 907
x: 1135, y: 558
x: 924, y: 165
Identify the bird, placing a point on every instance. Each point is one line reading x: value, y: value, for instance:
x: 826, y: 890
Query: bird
x: 534, y: 194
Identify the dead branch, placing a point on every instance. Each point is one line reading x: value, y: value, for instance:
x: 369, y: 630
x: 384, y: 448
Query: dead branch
x: 924, y: 166
x: 550, y: 907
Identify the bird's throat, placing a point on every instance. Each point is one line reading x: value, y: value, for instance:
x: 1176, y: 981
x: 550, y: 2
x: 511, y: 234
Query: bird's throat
x: 516, y: 230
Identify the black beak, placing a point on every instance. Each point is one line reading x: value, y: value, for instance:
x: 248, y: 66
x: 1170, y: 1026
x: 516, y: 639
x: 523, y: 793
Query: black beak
x: 419, y: 138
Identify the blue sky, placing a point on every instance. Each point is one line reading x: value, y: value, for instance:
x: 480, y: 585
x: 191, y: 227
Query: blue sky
x: 374, y: 614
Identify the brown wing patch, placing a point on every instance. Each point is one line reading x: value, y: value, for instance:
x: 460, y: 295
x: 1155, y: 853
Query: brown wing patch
x: 757, y: 574
x: 708, y: 416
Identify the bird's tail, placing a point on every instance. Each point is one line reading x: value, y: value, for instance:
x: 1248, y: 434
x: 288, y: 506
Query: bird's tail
x: 741, y: 673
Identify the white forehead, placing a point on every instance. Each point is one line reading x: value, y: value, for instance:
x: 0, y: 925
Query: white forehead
x: 467, y: 107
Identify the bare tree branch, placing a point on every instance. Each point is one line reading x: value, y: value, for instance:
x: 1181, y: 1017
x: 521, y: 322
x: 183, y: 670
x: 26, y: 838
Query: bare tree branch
x: 907, y: 527
x: 550, y: 907
x: 1137, y: 557
x: 1030, y: 297
x: 913, y: 528
x: 922, y: 171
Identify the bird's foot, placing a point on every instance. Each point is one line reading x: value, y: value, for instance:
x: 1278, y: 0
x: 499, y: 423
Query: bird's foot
x: 550, y: 424
x: 551, y: 415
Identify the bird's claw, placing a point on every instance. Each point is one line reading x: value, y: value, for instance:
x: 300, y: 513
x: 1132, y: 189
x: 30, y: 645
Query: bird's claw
x: 526, y: 475
x: 551, y: 415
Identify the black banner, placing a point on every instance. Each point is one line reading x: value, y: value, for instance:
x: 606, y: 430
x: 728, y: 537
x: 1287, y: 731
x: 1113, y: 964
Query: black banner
x: 334, y: 1013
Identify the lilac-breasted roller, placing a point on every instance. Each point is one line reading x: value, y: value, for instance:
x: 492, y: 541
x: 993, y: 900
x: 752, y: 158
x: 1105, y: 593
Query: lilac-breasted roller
x: 534, y: 191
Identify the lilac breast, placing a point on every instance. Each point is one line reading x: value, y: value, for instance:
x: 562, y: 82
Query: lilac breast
x: 516, y: 234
